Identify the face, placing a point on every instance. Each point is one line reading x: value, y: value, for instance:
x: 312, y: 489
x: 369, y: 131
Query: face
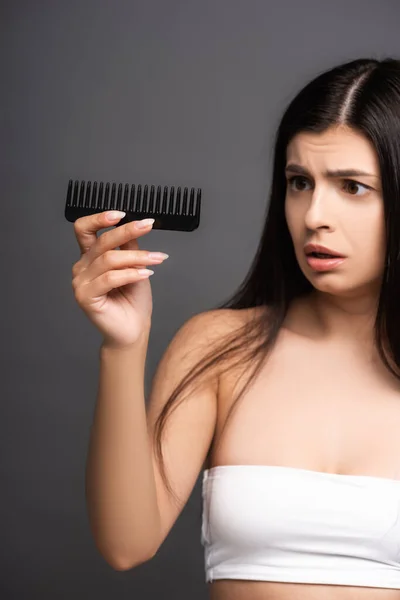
x: 344, y: 214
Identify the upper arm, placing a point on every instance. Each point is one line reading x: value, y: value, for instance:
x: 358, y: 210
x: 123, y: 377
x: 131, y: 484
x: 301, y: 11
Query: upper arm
x: 190, y: 427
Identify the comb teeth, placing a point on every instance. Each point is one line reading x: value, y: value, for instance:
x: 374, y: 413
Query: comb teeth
x: 170, y: 212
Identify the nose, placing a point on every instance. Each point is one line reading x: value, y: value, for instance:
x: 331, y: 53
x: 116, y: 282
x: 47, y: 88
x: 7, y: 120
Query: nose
x: 319, y: 210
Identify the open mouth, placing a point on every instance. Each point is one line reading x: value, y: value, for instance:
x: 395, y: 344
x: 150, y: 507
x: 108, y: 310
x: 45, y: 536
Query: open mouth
x: 321, y: 255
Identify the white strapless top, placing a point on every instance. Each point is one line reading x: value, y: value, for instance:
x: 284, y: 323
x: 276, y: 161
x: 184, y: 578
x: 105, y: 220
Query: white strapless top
x: 273, y: 523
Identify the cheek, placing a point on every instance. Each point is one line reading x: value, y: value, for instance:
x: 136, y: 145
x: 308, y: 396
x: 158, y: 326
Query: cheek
x: 370, y: 244
x: 375, y: 229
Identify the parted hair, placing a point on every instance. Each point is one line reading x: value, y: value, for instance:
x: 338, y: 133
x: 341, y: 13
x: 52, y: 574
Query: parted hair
x: 364, y: 95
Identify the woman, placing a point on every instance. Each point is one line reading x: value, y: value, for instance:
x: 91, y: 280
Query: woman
x: 301, y: 493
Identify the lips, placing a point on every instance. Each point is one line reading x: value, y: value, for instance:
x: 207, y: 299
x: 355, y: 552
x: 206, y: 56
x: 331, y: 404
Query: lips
x: 309, y: 249
x: 324, y: 264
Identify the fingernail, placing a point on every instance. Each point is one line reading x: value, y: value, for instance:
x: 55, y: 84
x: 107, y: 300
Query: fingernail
x: 158, y: 255
x: 115, y: 214
x: 144, y: 223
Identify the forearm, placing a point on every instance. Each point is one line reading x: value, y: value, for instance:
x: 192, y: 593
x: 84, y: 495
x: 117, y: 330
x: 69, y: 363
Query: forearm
x: 120, y: 484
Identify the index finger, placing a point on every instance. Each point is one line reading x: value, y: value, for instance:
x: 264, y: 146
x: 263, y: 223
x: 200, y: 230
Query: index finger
x: 87, y: 227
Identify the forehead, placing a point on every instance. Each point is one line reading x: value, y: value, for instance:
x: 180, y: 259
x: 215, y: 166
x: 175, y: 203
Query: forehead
x: 335, y: 148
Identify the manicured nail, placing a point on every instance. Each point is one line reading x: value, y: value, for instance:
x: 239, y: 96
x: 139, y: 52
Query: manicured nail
x: 145, y: 272
x: 115, y: 214
x: 144, y: 223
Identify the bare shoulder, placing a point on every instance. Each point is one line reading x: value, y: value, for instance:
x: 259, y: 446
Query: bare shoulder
x: 210, y: 328
x: 229, y: 317
x: 205, y: 328
x: 191, y: 428
x: 210, y: 325
x: 232, y: 318
x: 213, y: 324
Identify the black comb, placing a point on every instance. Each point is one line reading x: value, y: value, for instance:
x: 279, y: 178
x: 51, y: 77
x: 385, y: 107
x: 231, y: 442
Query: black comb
x: 169, y: 212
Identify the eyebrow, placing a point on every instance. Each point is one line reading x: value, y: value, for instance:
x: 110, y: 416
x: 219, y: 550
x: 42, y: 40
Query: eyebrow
x: 294, y: 168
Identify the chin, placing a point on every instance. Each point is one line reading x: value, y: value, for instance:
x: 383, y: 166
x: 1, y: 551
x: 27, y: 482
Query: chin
x: 340, y: 290
x: 331, y: 282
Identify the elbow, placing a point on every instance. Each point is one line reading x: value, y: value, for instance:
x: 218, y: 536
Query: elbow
x: 120, y: 564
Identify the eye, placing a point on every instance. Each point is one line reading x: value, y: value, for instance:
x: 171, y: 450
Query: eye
x: 356, y: 183
x: 347, y: 183
x: 291, y: 180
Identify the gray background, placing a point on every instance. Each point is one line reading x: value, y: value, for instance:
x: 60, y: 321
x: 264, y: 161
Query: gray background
x: 160, y: 92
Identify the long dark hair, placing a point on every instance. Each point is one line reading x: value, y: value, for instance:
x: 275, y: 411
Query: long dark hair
x: 364, y: 95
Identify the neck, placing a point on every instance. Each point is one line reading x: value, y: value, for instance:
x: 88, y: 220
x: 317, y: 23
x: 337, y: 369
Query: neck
x: 345, y: 318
